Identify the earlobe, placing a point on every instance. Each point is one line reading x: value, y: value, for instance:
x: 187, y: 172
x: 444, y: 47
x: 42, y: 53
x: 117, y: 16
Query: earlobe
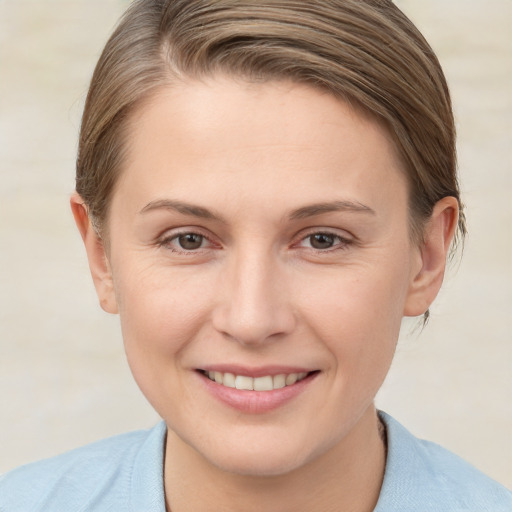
x: 427, y: 279
x: 96, y: 255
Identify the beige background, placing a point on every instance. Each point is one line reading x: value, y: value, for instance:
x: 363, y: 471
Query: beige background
x: 63, y: 377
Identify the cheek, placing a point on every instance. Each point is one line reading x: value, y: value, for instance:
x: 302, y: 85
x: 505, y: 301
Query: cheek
x: 161, y: 314
x: 357, y: 315
x: 161, y: 311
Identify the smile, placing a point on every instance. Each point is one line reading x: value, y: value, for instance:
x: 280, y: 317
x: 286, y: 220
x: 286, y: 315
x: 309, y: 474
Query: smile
x: 263, y: 383
x: 256, y: 390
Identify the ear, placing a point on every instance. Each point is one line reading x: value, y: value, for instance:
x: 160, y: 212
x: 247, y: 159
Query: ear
x: 433, y: 252
x: 98, y: 261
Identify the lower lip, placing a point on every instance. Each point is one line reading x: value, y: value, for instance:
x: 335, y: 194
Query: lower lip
x: 256, y: 402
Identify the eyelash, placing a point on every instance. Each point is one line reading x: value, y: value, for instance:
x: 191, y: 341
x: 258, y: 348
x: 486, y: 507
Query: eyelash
x: 342, y: 242
x: 168, y: 240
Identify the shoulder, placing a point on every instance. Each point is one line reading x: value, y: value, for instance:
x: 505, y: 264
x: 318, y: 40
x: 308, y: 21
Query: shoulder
x: 423, y: 476
x: 94, y: 477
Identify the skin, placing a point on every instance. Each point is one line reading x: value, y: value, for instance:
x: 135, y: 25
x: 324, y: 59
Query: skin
x: 259, y: 290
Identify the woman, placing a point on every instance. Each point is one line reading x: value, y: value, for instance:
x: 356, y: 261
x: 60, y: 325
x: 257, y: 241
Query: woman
x: 264, y: 190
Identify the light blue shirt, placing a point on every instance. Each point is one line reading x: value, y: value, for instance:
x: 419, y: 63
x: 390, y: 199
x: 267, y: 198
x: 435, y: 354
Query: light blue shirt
x: 125, y: 474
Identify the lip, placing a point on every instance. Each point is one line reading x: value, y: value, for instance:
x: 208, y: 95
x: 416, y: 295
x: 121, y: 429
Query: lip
x: 259, y: 371
x: 256, y: 402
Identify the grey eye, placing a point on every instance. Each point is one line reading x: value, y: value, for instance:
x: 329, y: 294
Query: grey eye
x: 190, y: 241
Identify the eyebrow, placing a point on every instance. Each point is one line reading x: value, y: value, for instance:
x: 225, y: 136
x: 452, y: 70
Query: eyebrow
x: 334, y: 206
x: 181, y: 207
x: 300, y: 213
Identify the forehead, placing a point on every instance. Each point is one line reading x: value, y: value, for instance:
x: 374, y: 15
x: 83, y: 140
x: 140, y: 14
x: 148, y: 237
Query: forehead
x: 226, y: 99
x: 232, y: 135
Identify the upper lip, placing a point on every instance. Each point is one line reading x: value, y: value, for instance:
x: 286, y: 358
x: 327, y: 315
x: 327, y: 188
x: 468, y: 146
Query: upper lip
x: 254, y: 371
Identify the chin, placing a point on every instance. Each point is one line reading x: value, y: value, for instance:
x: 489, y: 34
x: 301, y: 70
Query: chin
x: 261, y: 465
x: 249, y: 457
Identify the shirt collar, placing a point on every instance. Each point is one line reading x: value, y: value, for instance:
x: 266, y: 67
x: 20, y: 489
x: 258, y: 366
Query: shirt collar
x: 147, y: 485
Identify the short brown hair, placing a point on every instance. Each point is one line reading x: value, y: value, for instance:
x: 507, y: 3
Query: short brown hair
x: 366, y: 52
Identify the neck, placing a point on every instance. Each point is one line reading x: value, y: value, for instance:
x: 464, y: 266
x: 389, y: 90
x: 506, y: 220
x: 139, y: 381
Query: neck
x: 348, y: 477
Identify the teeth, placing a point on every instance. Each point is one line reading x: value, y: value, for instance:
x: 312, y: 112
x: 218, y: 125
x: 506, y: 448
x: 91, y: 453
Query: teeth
x: 291, y: 379
x: 229, y: 380
x: 243, y: 382
x: 263, y: 384
x: 279, y: 381
x: 266, y: 383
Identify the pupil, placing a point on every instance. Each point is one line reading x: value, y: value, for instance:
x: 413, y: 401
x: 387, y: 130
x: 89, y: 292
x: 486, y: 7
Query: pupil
x: 190, y: 241
x: 322, y: 241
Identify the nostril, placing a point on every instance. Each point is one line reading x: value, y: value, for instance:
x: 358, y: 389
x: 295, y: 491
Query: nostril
x: 254, y: 312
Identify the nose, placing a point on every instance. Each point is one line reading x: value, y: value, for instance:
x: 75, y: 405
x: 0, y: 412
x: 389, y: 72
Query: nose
x: 253, y: 303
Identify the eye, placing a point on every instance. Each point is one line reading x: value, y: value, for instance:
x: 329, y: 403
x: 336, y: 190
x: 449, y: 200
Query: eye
x: 323, y: 241
x: 190, y: 241
x: 184, y: 242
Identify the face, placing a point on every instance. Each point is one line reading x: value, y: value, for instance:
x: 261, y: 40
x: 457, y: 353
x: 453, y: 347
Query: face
x: 260, y: 237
